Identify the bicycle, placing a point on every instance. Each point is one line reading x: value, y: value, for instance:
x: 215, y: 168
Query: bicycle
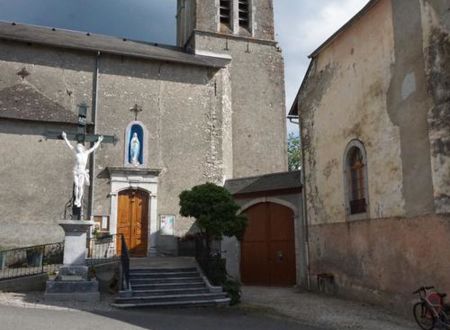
x: 431, y: 310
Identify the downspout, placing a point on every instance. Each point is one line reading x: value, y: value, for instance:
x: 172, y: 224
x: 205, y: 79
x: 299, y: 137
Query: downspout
x: 94, y: 120
x: 296, y: 120
x: 305, y: 214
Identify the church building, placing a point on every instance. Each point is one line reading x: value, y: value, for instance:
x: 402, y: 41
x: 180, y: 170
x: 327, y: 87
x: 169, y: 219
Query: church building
x: 209, y: 109
x: 374, y: 110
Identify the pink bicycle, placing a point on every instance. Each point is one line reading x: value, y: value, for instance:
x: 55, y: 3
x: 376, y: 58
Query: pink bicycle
x: 431, y: 310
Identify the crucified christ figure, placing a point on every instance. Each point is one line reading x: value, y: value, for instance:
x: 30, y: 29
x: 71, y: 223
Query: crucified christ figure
x: 80, y: 173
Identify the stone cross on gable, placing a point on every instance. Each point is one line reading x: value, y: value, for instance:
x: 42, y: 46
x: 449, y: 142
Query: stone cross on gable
x: 80, y: 172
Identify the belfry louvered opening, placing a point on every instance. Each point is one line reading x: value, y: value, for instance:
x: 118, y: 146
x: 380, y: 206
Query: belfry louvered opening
x: 225, y: 12
x: 244, y: 14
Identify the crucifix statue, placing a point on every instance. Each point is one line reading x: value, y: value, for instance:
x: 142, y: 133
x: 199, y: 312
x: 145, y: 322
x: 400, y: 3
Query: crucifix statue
x: 80, y: 171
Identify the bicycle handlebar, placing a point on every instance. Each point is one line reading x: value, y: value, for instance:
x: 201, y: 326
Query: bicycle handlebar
x: 423, y: 288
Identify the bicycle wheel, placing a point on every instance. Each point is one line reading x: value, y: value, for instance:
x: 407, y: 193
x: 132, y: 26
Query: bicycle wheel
x: 424, y: 316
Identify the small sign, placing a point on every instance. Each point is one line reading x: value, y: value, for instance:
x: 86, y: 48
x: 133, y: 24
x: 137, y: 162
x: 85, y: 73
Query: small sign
x: 101, y: 222
x: 167, y: 224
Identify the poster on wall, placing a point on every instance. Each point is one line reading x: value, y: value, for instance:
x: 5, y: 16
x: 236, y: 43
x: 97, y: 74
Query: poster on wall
x: 166, y: 225
x: 101, y: 222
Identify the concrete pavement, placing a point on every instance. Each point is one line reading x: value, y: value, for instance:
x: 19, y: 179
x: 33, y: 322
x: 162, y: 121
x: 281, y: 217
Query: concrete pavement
x: 322, y: 310
x: 15, y: 318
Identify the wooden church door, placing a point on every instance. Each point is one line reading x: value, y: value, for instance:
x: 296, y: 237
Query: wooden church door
x: 132, y: 221
x: 268, y: 246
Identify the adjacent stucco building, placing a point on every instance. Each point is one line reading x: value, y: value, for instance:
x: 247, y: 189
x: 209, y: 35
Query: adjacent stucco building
x: 374, y: 112
x: 212, y: 109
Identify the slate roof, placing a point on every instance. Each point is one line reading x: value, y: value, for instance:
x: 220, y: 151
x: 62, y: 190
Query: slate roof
x: 24, y: 102
x: 106, y: 44
x: 262, y: 183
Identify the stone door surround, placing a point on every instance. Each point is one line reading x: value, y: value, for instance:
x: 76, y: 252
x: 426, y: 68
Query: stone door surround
x: 123, y: 178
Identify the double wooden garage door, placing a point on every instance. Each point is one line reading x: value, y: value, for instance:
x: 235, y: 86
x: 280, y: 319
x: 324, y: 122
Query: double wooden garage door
x: 268, y: 246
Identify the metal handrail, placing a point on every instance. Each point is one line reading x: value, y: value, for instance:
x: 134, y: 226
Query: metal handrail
x: 125, y: 262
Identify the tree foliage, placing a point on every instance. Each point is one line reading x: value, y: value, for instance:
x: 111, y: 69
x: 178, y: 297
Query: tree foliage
x: 215, y: 211
x: 294, y: 153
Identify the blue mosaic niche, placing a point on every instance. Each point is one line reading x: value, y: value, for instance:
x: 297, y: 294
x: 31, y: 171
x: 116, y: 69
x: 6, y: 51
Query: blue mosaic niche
x: 136, y: 128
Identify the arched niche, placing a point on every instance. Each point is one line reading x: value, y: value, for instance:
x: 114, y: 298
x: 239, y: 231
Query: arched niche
x: 135, y: 131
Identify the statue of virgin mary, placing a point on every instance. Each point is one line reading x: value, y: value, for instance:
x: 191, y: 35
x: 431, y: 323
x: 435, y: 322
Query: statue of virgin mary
x: 135, y: 149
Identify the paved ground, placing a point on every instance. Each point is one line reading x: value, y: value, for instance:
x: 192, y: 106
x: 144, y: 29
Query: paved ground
x: 17, y: 318
x: 323, y: 311
x: 261, y: 309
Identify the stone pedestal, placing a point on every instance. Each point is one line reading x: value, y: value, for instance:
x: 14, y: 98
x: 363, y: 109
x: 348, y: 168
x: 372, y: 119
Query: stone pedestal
x: 72, y: 282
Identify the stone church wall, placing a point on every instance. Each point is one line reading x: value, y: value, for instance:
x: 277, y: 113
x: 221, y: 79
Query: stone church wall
x: 257, y: 75
x: 371, y: 84
x: 186, y: 111
x: 36, y: 175
x: 183, y: 120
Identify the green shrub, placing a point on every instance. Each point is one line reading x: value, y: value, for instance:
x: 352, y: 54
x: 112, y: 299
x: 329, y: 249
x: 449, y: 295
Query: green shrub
x: 233, y: 288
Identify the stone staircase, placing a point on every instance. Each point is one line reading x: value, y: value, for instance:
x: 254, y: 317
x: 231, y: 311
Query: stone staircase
x: 163, y: 286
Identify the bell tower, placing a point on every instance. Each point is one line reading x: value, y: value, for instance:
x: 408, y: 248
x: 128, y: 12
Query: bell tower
x: 247, y: 18
x: 243, y: 31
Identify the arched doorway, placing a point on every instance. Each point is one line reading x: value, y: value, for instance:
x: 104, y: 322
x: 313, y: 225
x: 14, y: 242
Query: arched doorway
x: 132, y: 220
x: 268, y: 246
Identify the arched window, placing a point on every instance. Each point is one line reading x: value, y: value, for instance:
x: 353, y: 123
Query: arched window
x: 356, y: 178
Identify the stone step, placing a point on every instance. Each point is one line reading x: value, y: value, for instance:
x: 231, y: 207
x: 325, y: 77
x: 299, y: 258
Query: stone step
x: 163, y: 286
x: 185, y: 280
x: 173, y: 297
x: 187, y: 303
x: 161, y: 270
x: 143, y: 293
x: 164, y: 275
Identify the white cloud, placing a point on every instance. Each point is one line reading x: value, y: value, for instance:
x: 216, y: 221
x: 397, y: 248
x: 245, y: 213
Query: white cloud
x: 301, y: 27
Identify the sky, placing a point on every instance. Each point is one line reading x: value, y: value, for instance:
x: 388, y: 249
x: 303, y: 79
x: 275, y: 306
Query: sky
x: 300, y: 25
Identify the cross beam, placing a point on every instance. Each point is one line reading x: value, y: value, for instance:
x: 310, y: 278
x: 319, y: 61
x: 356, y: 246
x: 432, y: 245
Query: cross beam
x: 82, y: 137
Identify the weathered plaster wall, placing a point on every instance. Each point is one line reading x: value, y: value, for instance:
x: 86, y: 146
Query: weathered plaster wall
x: 257, y: 81
x: 408, y: 103
x: 345, y: 98
x: 436, y: 23
x: 384, y: 259
x: 383, y: 81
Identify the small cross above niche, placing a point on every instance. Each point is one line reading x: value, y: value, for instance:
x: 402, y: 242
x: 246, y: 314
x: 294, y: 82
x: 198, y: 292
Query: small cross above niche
x: 136, y: 109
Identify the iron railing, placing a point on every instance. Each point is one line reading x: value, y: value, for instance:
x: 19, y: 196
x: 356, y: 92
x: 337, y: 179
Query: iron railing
x: 31, y: 260
x: 125, y: 263
x: 103, y: 249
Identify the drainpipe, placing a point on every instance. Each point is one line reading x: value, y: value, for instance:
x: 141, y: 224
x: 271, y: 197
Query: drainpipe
x: 94, y: 120
x: 305, y: 215
x: 296, y: 120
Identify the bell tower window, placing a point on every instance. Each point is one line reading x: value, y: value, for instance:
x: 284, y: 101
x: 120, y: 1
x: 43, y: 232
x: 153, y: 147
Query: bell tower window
x: 244, y: 14
x: 225, y: 12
